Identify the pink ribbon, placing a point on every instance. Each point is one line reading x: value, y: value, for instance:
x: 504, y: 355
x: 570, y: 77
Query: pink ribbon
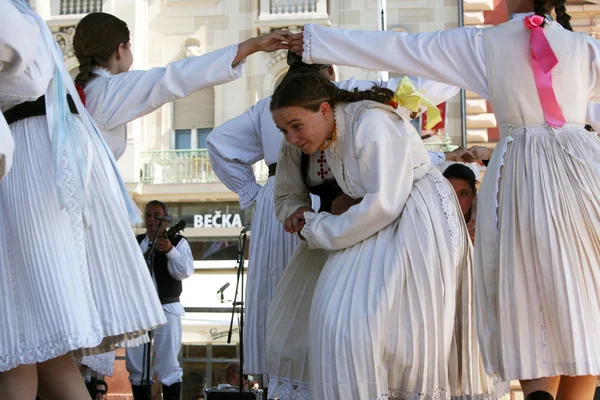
x: 543, y: 60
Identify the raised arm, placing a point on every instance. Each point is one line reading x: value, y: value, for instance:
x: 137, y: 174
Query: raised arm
x: 455, y: 57
x: 233, y: 148
x: 387, y: 188
x: 133, y: 94
x: 290, y: 191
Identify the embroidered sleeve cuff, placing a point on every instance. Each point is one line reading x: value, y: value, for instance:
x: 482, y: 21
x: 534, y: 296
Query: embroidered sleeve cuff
x: 237, y: 71
x: 437, y: 158
x: 307, y: 231
x: 307, y: 55
x: 248, y: 195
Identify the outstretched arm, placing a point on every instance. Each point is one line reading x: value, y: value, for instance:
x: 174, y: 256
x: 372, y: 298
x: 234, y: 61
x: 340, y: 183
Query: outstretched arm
x: 131, y: 95
x: 455, y: 57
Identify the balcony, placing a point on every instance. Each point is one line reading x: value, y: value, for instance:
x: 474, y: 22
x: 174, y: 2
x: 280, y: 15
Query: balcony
x: 184, y: 166
x: 289, y: 13
x: 71, y: 7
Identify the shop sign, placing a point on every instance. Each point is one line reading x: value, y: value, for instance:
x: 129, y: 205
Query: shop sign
x: 217, y: 220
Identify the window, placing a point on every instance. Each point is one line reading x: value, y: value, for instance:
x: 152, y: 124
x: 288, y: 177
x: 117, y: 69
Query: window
x: 183, y: 139
x: 202, y: 135
x: 194, y: 114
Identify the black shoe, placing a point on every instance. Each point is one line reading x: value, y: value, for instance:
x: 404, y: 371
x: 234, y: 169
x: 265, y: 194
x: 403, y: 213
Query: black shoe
x: 172, y: 392
x: 141, y: 392
x: 539, y: 395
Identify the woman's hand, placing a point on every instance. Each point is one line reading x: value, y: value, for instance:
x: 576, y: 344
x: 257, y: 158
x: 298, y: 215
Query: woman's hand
x: 276, y: 40
x: 342, y: 203
x: 296, y: 43
x: 481, y: 152
x: 295, y: 222
x: 460, y: 155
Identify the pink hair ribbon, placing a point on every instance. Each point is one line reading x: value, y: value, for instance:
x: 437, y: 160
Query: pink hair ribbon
x: 543, y: 60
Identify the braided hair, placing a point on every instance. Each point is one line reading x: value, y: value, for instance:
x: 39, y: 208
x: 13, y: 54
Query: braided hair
x: 540, y: 7
x: 561, y: 14
x: 309, y: 89
x: 97, y: 37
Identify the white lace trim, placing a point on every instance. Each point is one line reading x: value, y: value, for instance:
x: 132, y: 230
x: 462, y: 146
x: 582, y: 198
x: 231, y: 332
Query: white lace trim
x: 100, y: 363
x: 49, y: 350
x: 450, y: 214
x: 404, y: 394
x: 504, y: 148
x: 248, y: 195
x: 307, y: 55
x: 306, y: 232
x: 101, y: 71
x: 286, y: 389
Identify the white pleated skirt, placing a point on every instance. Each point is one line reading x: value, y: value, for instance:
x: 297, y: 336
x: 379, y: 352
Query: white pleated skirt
x: 270, y: 250
x: 287, y: 325
x: 65, y: 286
x: 392, y: 317
x: 537, y: 254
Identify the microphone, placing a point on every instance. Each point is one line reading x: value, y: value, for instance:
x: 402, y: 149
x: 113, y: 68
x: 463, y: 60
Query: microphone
x: 246, y: 229
x: 166, y: 218
x: 225, y: 286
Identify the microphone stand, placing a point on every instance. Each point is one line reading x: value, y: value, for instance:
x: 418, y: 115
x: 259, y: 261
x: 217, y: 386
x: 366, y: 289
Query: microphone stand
x: 240, y: 283
x: 147, y: 361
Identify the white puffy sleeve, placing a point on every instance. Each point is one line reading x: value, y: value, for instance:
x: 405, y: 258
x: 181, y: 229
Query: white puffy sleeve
x: 19, y: 37
x: 290, y: 190
x: 387, y: 189
x: 455, y: 57
x: 133, y: 94
x: 233, y: 148
x: 594, y: 84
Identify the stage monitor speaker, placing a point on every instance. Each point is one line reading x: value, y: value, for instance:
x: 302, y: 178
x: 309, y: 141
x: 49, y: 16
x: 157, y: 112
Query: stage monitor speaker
x: 214, y: 394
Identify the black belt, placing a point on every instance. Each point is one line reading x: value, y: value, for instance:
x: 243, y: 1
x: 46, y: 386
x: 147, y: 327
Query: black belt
x: 272, y: 169
x: 34, y: 108
x: 169, y: 300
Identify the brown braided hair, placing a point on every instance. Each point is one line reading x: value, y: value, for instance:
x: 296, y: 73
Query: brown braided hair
x: 561, y: 14
x: 309, y: 89
x: 540, y: 7
x: 97, y: 37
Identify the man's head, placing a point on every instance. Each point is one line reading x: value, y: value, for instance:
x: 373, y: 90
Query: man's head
x: 154, y: 209
x: 232, y: 375
x: 101, y: 390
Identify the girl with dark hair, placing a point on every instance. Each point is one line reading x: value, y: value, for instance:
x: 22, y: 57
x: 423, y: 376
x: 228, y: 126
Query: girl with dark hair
x: 234, y: 147
x: 386, y: 318
x: 65, y: 268
x: 536, y: 250
x: 114, y: 95
x: 462, y: 179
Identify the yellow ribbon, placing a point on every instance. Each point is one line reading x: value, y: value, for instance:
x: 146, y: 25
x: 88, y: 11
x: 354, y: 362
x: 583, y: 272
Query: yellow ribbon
x: 407, y: 96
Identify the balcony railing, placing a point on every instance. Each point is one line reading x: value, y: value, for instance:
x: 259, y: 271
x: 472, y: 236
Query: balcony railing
x: 68, y: 7
x: 293, y: 11
x: 184, y: 166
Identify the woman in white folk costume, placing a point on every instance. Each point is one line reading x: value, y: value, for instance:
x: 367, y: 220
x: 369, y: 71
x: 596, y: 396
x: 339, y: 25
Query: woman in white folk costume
x: 234, y: 147
x: 114, y: 96
x: 63, y: 265
x: 297, y: 176
x: 382, y: 320
x: 537, y: 253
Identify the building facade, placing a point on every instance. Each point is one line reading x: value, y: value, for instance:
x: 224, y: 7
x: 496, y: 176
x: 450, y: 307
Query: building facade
x: 166, y: 155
